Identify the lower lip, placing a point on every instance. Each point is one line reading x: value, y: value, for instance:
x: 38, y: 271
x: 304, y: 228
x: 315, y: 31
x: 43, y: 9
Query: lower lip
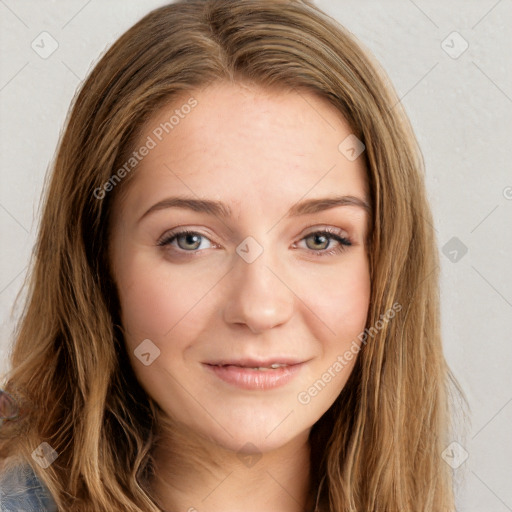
x: 247, y: 378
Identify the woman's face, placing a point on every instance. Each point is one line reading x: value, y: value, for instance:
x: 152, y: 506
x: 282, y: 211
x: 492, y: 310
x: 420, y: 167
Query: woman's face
x: 251, y: 174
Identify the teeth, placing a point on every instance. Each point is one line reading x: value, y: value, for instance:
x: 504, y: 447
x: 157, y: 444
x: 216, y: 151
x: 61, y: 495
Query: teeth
x: 272, y: 366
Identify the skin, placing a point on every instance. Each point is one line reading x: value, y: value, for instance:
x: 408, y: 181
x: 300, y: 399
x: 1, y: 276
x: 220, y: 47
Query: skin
x: 259, y: 152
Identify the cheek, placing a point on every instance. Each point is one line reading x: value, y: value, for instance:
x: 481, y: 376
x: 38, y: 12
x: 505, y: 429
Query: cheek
x: 339, y: 309
x: 340, y: 300
x: 148, y: 308
x: 157, y: 299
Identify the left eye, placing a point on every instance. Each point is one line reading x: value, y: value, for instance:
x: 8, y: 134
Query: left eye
x: 324, y: 238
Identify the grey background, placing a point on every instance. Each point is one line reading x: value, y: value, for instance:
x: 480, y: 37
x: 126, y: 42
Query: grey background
x: 460, y: 106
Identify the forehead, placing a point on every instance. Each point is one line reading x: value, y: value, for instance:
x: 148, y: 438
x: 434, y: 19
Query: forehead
x: 244, y: 141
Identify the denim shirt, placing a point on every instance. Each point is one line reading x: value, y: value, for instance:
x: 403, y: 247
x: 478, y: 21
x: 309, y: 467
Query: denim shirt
x: 21, y: 490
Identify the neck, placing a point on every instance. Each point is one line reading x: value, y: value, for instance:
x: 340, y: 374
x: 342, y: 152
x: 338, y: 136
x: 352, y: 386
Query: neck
x: 193, y: 474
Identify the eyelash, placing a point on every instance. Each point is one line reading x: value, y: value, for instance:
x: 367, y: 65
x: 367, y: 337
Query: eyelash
x: 330, y: 233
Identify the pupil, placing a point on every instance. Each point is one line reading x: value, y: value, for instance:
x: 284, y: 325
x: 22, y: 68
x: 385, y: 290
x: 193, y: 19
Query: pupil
x: 318, y: 239
x: 191, y: 239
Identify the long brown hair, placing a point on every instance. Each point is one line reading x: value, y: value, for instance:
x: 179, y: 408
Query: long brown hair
x: 378, y: 448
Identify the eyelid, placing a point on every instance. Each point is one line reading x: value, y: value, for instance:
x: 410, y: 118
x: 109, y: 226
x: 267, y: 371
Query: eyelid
x: 321, y: 227
x: 186, y: 229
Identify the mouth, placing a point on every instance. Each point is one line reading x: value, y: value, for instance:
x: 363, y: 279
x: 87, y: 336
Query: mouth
x: 262, y: 365
x: 256, y: 375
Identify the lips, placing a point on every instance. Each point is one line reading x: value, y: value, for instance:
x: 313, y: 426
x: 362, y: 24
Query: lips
x: 256, y: 374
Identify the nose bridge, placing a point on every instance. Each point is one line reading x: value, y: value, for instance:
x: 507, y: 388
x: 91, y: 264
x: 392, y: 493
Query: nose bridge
x: 259, y: 298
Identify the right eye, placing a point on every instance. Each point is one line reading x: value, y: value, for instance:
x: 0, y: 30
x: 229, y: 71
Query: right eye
x: 186, y: 240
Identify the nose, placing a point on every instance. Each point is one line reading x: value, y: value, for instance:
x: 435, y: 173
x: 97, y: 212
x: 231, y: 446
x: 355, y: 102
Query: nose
x: 260, y: 296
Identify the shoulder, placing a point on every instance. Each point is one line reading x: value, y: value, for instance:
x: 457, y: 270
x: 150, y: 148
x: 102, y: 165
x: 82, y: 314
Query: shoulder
x: 20, y: 489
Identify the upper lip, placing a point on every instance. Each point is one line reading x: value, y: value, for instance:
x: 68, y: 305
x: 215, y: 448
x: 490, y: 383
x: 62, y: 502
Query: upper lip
x: 256, y: 363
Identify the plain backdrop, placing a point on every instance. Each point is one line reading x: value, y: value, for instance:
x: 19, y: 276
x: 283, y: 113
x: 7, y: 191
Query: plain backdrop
x: 451, y: 65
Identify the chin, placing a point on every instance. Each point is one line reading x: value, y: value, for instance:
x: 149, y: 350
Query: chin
x: 251, y: 441
x: 252, y: 433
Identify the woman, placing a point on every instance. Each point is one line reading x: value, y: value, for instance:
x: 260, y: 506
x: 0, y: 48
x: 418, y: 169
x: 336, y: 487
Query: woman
x: 235, y: 291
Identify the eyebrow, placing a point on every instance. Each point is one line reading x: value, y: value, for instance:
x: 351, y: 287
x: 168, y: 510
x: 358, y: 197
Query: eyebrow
x: 217, y: 208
